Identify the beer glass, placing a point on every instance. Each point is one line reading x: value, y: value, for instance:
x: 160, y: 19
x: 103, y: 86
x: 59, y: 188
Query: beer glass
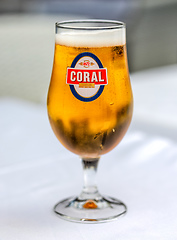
x: 90, y: 107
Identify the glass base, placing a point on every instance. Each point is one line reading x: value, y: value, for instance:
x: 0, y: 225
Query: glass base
x: 98, y: 210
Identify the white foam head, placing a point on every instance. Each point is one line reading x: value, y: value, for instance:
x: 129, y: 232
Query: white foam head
x: 92, y: 38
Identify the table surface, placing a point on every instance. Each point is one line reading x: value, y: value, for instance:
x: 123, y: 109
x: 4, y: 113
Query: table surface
x: 36, y: 171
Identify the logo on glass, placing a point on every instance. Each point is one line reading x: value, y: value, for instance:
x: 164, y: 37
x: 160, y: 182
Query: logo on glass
x: 86, y: 77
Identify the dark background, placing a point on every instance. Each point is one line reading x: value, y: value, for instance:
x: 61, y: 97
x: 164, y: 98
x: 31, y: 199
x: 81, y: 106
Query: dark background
x: 27, y: 38
x: 151, y: 25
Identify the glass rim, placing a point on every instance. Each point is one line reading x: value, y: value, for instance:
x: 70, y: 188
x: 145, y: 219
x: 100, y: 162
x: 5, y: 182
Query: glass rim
x: 106, y: 24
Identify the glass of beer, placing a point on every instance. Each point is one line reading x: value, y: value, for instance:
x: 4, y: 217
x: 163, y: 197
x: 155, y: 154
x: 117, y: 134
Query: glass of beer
x: 90, y: 106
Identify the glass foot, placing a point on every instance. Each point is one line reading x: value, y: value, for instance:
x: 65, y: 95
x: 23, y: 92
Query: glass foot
x: 102, y: 209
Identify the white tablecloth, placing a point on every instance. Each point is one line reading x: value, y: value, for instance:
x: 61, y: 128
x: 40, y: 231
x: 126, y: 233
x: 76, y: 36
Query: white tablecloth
x: 36, y: 171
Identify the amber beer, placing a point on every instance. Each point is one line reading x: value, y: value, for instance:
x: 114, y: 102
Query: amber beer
x: 90, y: 99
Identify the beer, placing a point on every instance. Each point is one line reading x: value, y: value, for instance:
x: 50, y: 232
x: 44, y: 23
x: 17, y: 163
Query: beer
x: 89, y: 124
x: 90, y: 107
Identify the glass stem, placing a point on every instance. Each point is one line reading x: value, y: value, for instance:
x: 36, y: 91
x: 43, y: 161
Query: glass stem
x: 90, y: 190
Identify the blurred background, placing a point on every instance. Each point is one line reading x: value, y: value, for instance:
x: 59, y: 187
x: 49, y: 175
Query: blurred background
x: 27, y: 38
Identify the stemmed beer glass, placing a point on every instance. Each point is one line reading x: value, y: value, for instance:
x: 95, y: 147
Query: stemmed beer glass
x: 90, y: 106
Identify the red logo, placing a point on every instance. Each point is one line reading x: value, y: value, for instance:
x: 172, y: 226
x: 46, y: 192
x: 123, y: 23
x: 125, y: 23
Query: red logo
x: 86, y: 63
x: 96, y: 76
x: 86, y: 77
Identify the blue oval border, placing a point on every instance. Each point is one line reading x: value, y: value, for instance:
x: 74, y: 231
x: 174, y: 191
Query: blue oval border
x: 85, y: 54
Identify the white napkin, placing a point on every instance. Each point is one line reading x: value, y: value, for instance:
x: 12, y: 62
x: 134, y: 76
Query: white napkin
x: 36, y: 172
